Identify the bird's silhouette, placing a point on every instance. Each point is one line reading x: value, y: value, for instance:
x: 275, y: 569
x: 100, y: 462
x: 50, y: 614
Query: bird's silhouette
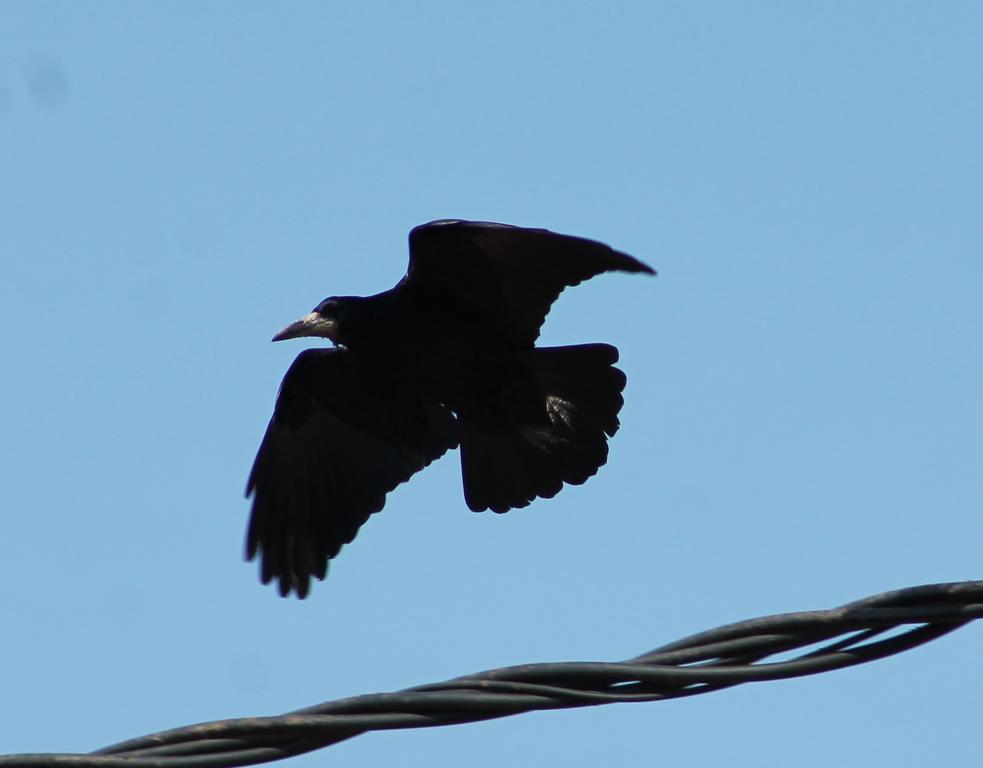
x: 445, y: 358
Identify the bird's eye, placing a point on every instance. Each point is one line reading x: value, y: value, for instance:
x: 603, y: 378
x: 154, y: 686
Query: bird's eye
x: 327, y: 308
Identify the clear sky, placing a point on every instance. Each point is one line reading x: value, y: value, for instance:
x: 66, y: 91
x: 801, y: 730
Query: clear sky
x: 803, y: 422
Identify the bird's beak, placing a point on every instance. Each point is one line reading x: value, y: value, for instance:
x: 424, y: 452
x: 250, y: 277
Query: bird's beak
x: 309, y: 325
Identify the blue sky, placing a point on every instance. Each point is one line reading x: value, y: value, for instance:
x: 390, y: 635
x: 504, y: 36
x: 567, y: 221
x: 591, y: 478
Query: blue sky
x: 803, y: 417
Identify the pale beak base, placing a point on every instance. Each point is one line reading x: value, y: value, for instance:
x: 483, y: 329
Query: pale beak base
x: 312, y: 324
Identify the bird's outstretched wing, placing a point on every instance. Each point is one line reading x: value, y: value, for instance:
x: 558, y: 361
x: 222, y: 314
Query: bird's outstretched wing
x: 340, y: 439
x: 509, y: 275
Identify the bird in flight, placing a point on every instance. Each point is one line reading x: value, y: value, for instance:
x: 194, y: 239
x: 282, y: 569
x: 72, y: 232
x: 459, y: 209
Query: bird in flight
x: 446, y: 358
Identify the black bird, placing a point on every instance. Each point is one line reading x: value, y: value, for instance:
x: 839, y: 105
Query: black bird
x: 445, y: 358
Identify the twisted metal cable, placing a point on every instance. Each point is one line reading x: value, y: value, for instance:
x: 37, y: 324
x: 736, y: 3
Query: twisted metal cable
x: 709, y: 661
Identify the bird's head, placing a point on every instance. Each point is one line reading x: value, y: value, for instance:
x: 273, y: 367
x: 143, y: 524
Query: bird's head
x: 324, y: 321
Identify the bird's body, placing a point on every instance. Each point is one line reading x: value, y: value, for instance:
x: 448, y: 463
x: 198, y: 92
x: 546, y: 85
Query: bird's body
x: 445, y: 358
x: 439, y: 350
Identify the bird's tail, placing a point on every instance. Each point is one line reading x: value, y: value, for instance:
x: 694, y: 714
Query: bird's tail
x: 555, y: 433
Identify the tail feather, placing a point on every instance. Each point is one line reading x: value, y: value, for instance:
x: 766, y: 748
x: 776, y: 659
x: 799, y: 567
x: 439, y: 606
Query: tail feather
x: 529, y: 450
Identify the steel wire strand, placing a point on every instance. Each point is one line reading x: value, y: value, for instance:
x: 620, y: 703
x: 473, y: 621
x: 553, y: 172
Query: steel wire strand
x: 719, y: 658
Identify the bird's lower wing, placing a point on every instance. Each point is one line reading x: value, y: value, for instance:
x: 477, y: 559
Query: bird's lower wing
x: 340, y: 439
